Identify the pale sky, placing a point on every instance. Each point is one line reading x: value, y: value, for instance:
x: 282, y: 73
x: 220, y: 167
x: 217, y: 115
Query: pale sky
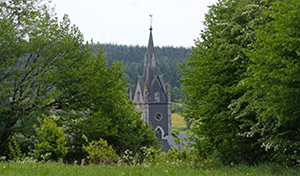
x: 175, y: 22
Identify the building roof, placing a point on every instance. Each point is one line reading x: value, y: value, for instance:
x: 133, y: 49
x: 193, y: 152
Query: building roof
x: 161, y: 83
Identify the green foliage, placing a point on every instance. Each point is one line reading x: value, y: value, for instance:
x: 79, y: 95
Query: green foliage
x: 149, y: 155
x: 52, y: 141
x: 274, y: 81
x: 178, y: 107
x: 242, y: 83
x: 99, y: 152
x: 211, y: 81
x: 182, y: 152
x: 128, y: 157
x: 145, y: 156
x: 47, y: 69
x: 34, y: 46
x: 15, y: 153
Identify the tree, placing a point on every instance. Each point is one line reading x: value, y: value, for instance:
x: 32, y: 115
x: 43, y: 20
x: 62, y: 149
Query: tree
x: 46, y: 69
x: 33, y: 45
x: 211, y: 79
x: 274, y: 81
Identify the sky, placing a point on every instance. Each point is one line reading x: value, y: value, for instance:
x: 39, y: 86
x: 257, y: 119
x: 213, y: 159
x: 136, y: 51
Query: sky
x: 175, y: 22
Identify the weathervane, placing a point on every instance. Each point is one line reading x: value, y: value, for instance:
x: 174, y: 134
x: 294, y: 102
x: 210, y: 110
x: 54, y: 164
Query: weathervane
x: 151, y: 20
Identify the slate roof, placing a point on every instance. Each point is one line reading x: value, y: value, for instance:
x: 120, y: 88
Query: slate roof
x: 182, y: 137
x: 161, y: 81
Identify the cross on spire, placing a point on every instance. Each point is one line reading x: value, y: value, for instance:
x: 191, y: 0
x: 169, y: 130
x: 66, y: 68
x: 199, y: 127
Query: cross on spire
x: 151, y: 20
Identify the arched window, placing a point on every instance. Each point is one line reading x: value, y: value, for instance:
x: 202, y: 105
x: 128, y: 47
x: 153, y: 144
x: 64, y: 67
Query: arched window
x: 156, y: 96
x: 158, y: 133
x: 138, y: 96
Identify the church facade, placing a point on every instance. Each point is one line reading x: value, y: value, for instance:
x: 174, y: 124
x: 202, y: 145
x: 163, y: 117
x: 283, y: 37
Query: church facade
x: 152, y: 98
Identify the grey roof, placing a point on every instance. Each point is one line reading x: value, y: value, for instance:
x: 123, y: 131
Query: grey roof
x: 182, y: 137
x: 161, y: 81
x: 165, y: 145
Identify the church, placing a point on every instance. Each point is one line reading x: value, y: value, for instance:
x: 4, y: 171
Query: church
x: 152, y: 98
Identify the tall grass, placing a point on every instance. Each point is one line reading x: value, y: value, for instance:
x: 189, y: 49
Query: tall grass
x: 56, y: 169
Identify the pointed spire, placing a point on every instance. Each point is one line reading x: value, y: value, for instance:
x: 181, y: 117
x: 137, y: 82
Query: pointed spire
x: 150, y: 49
x: 149, y: 61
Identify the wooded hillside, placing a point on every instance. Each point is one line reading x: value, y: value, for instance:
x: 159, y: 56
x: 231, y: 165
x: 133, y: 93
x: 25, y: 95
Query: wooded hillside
x: 168, y: 63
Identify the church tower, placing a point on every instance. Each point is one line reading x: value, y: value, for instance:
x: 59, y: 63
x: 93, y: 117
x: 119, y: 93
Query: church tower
x: 152, y: 98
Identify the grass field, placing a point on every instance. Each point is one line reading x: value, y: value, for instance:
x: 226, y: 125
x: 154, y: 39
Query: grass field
x: 56, y: 169
x: 178, y: 123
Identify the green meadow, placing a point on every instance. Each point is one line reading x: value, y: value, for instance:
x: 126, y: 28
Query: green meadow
x: 178, y: 123
x: 57, y: 169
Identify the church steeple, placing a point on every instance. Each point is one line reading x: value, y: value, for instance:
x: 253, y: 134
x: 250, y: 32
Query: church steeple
x: 150, y: 48
x: 150, y: 59
x: 152, y: 97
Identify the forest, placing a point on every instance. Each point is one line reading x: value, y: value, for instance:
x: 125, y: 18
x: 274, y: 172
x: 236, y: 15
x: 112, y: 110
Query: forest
x: 169, y: 61
x: 66, y: 100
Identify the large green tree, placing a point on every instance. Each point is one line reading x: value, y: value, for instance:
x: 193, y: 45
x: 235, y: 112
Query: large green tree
x: 33, y: 45
x: 211, y: 79
x: 47, y: 69
x: 242, y: 82
x: 274, y: 82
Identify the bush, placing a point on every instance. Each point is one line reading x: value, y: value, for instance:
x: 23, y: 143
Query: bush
x: 99, y: 152
x: 52, y: 141
x: 15, y: 153
x: 149, y: 154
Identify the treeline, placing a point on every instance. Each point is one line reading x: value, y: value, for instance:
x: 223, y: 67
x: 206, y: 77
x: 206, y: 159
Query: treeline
x: 168, y: 64
x: 242, y: 83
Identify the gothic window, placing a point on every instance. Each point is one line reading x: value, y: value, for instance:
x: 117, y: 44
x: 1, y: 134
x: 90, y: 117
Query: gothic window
x: 138, y: 96
x: 158, y: 116
x: 158, y: 133
x: 153, y: 60
x: 156, y: 96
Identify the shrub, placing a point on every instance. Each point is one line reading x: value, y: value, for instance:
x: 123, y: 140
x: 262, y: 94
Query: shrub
x: 99, y: 152
x: 146, y: 155
x: 52, y: 141
x: 149, y: 154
